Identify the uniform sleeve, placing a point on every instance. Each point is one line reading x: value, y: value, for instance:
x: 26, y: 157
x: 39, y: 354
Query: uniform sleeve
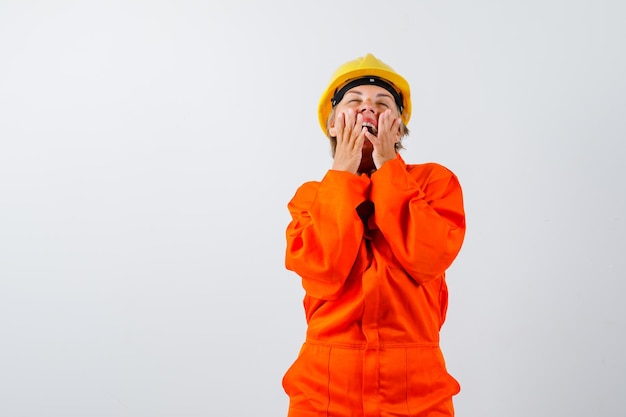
x: 421, y: 215
x: 325, y: 232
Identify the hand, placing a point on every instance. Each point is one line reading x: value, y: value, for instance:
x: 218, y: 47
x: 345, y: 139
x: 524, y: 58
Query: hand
x: 385, y: 142
x: 350, y: 135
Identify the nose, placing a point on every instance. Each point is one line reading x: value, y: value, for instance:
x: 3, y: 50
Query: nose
x: 367, y: 107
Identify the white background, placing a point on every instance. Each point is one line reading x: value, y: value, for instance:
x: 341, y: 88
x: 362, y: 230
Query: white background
x: 148, y: 150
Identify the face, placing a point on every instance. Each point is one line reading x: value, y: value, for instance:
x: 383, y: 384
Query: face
x: 370, y: 101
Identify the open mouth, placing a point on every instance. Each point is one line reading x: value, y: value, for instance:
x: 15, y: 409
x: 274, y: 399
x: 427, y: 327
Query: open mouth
x: 371, y: 128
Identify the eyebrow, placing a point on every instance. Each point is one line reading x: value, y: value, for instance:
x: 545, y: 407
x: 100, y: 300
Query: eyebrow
x: 377, y: 95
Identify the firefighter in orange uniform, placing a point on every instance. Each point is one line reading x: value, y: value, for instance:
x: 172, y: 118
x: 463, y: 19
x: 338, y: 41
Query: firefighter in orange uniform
x: 371, y: 242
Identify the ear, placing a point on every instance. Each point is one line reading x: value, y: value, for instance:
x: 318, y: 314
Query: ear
x: 331, y: 128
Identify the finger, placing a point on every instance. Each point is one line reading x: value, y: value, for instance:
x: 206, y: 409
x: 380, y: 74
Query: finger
x: 361, y: 137
x: 339, y: 126
x: 358, y: 127
x: 389, y: 126
x: 383, y: 125
x: 349, y: 125
x: 369, y: 136
x: 396, y: 128
x: 393, y: 125
x: 384, y: 120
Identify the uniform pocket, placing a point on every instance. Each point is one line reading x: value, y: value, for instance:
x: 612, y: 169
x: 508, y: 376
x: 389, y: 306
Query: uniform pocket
x: 286, y: 382
x: 306, y: 381
x: 429, y: 386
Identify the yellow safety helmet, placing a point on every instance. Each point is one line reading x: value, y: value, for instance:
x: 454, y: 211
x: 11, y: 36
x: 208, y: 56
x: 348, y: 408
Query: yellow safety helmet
x: 365, y: 70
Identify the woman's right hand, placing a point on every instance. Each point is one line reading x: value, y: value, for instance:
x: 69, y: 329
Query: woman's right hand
x: 350, y: 135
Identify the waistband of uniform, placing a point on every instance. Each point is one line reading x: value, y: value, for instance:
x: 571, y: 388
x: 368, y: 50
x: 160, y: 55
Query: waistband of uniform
x: 365, y: 346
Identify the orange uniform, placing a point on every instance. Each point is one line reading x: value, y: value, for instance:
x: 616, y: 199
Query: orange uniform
x: 372, y: 254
